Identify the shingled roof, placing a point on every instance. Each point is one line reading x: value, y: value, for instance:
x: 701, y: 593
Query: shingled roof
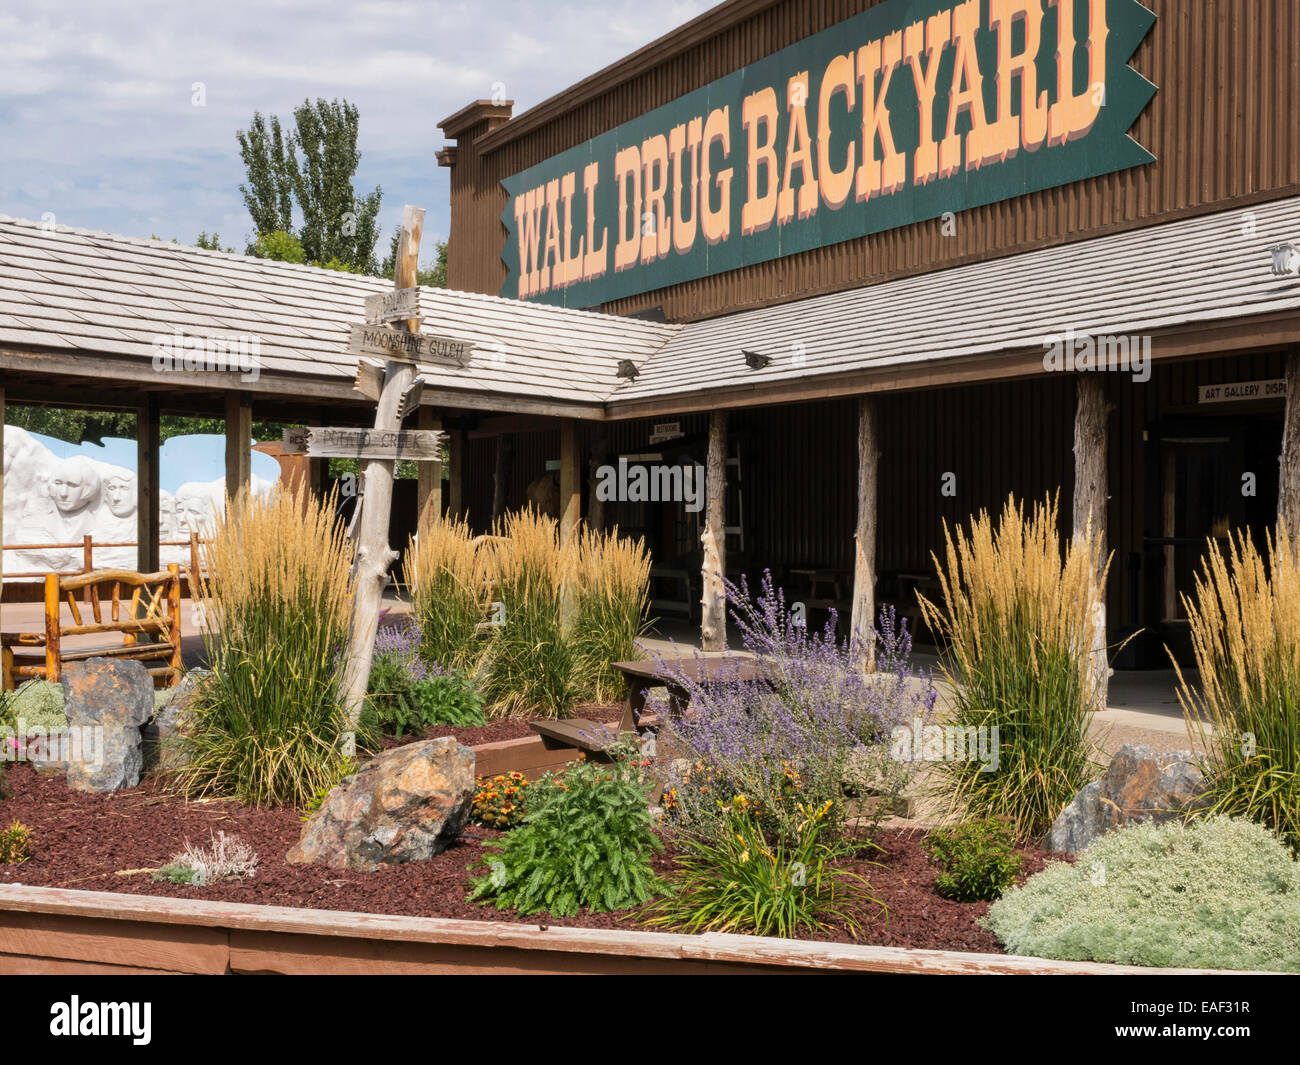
x: 102, y: 300
x: 105, y: 299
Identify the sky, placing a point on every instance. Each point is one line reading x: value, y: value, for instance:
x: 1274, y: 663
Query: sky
x: 121, y: 116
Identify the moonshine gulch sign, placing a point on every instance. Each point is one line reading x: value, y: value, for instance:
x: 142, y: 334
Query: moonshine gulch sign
x: 909, y: 111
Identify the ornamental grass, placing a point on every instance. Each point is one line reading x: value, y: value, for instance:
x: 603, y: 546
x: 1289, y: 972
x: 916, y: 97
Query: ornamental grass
x: 536, y: 623
x: 1244, y: 617
x: 445, y: 574
x: 1018, y: 613
x: 277, y: 590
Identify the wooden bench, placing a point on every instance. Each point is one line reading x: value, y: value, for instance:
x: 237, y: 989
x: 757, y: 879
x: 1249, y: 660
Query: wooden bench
x: 595, y: 737
x: 149, y: 621
x: 644, y: 674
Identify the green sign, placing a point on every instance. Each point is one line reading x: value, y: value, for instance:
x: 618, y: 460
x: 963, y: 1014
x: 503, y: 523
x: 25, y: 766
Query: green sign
x: 913, y: 110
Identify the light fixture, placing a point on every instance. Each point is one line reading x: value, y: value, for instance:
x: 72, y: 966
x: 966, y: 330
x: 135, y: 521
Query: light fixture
x: 1286, y: 260
x: 755, y: 360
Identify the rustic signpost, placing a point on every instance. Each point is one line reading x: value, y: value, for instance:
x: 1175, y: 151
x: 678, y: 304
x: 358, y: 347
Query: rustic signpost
x: 413, y: 445
x: 400, y: 305
x: 409, y: 347
x: 378, y: 449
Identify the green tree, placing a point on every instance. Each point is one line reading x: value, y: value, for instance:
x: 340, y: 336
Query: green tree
x: 280, y: 246
x: 269, y: 192
x: 211, y: 243
x: 313, y: 166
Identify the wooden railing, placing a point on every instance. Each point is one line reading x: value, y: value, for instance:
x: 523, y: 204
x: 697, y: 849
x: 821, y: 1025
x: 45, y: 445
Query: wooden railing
x: 88, y: 546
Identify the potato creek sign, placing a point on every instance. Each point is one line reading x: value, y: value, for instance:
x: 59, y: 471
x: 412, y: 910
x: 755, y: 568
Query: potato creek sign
x: 909, y: 111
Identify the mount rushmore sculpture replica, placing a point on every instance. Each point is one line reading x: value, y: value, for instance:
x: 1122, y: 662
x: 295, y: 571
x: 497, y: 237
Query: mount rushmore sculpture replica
x: 53, y: 500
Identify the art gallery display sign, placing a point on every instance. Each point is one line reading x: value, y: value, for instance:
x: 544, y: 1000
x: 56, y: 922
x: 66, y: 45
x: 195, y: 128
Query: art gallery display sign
x: 913, y: 110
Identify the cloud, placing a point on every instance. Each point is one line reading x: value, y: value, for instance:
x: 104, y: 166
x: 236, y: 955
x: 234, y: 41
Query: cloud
x: 98, y: 125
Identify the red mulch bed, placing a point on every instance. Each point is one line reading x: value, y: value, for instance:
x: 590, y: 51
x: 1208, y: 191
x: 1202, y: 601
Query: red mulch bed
x: 84, y: 841
x: 507, y: 728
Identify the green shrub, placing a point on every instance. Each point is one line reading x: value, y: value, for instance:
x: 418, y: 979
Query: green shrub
x: 39, y: 703
x: 586, y: 841
x: 1219, y: 894
x: 404, y: 694
x: 269, y: 724
x: 1245, y: 702
x: 977, y: 860
x: 744, y: 882
x: 1015, y: 610
x: 15, y: 843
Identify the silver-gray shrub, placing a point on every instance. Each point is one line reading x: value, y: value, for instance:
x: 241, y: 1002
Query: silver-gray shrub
x: 1223, y: 893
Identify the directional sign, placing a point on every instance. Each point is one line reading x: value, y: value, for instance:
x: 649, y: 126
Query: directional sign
x: 370, y: 379
x: 293, y: 441
x: 414, y: 445
x: 397, y: 306
x: 408, y: 347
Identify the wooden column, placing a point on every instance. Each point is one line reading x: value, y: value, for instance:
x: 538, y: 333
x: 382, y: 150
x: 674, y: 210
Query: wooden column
x: 1090, y: 494
x: 599, y: 456
x: 863, y: 614
x: 713, y: 613
x: 148, y: 444
x: 456, y: 475
x: 505, y: 450
x: 429, y: 489
x: 239, y: 439
x: 1288, y: 503
x: 570, y: 482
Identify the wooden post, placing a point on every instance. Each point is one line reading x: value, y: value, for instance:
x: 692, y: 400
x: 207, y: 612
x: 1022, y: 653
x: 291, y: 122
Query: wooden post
x: 174, y: 622
x: 599, y: 455
x: 53, y: 609
x: 713, y: 613
x: 505, y: 448
x: 863, y: 615
x: 239, y: 439
x: 1090, y: 495
x: 429, y: 488
x: 456, y: 475
x: 1288, y: 503
x: 570, y: 483
x: 148, y: 438
x: 373, y: 555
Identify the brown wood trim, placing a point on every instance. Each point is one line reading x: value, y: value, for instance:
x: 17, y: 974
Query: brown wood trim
x: 156, y: 933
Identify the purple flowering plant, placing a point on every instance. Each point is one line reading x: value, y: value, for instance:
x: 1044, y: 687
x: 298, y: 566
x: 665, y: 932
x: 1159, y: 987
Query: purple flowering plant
x: 790, y: 740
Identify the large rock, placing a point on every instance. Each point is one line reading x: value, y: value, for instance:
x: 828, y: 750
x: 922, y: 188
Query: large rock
x: 1140, y: 784
x: 174, y: 720
x: 406, y: 805
x: 106, y: 700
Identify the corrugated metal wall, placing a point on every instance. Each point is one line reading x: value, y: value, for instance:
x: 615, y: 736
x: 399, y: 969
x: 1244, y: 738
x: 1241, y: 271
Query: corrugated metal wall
x: 1221, y: 127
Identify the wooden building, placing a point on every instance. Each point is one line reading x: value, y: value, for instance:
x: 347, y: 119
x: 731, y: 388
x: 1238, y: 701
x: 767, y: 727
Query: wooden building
x: 857, y: 260
x: 869, y: 318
